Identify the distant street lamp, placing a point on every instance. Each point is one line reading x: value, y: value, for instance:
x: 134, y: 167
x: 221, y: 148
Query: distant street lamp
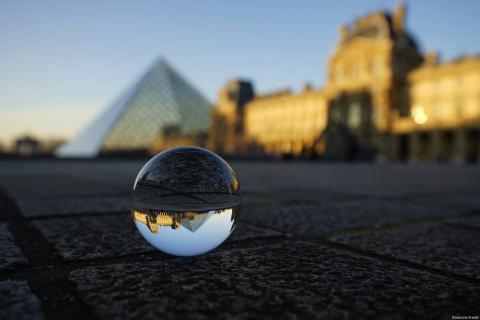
x: 419, y: 115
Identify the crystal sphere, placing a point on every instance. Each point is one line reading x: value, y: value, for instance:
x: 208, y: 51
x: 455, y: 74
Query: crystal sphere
x: 185, y: 201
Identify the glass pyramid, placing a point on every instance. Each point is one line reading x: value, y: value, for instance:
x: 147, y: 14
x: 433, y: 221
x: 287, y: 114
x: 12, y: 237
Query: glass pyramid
x: 161, y: 99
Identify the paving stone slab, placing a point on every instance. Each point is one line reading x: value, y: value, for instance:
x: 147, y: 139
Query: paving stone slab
x: 107, y: 237
x: 91, y: 168
x: 52, y: 185
x: 292, y: 280
x: 437, y: 246
x: 36, y: 207
x: 325, y: 216
x: 465, y: 201
x: 473, y: 222
x: 346, y: 178
x: 86, y: 238
x: 17, y: 302
x: 357, y: 178
x: 11, y: 256
x: 246, y: 231
x: 296, y: 196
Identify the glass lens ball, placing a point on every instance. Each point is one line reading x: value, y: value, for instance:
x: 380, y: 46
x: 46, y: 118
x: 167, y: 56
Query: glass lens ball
x: 185, y: 201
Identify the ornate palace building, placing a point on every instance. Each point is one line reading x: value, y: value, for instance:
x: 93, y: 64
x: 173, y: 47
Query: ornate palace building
x: 154, y: 219
x: 383, y: 99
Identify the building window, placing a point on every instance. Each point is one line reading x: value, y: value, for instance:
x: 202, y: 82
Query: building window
x: 335, y: 114
x: 376, y: 65
x: 477, y: 107
x: 354, y: 115
x: 459, y: 105
x: 437, y: 110
x: 356, y: 71
x: 374, y: 115
x: 338, y: 73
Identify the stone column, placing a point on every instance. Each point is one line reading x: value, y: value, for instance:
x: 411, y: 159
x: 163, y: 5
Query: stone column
x: 459, y: 146
x: 393, y: 146
x: 384, y: 144
x: 478, y: 150
x: 414, y: 147
x: 435, y: 153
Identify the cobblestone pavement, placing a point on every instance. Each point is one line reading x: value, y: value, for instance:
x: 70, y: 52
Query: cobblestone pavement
x: 315, y: 240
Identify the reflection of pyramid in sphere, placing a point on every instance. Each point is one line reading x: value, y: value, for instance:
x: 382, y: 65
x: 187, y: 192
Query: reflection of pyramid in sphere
x: 162, y: 100
x: 195, y: 221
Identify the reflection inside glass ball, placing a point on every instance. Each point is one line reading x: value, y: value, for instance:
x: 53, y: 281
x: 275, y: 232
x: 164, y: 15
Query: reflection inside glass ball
x: 185, y: 233
x: 185, y: 201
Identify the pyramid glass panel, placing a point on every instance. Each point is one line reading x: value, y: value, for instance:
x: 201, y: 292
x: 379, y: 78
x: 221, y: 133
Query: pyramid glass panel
x: 162, y: 99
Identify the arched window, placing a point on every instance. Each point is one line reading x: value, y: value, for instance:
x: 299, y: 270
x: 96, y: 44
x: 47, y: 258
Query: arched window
x: 354, y: 115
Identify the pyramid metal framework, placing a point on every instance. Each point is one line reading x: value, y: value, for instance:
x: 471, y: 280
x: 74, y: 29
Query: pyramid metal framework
x: 161, y: 99
x: 195, y: 223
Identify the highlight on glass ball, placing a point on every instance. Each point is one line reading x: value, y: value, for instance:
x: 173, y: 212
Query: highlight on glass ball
x: 185, y: 201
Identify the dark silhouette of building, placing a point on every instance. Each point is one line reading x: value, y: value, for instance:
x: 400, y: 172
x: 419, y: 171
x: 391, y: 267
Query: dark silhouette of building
x: 27, y: 146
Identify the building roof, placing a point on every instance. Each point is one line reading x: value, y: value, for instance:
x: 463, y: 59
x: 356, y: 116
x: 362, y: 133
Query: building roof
x: 380, y: 24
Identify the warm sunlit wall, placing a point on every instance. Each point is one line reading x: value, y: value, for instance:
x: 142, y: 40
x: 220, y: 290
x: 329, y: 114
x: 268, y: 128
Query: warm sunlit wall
x: 286, y: 123
x: 443, y: 96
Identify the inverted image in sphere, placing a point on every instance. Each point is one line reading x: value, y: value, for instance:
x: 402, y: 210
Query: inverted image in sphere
x: 185, y: 201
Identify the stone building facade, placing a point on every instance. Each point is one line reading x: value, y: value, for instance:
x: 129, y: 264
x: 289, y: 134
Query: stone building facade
x: 444, y: 122
x: 227, y: 131
x: 383, y: 99
x: 307, y: 118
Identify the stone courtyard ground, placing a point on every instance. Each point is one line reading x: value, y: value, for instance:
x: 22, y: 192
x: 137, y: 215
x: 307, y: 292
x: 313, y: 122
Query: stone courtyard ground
x: 315, y: 240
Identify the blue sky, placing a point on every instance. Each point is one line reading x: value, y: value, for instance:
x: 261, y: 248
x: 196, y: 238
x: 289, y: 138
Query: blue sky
x: 62, y: 62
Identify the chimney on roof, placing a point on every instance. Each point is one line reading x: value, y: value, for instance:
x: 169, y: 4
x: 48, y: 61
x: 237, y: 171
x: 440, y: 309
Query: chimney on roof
x: 431, y: 58
x: 398, y: 19
x: 307, y: 86
x: 343, y: 33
